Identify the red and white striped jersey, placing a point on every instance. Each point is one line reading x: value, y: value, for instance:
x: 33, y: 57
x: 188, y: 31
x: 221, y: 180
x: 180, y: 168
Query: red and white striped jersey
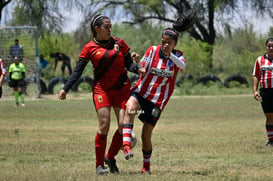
x: 2, y: 68
x: 263, y: 69
x: 158, y: 83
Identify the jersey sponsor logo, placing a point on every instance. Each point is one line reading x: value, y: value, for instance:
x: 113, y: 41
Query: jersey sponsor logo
x: 98, y: 53
x: 100, y: 99
x: 161, y: 72
x: 155, y: 112
x: 116, y: 47
x: 267, y: 67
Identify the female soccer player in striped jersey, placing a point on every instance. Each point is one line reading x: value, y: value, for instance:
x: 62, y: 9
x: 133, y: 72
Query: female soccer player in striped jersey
x: 152, y: 91
x: 263, y: 75
x: 111, y: 59
x: 2, y: 75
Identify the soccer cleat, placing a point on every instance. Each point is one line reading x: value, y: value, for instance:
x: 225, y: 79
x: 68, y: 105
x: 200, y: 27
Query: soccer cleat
x: 128, y: 152
x: 269, y: 144
x: 23, y: 105
x: 100, y: 170
x: 112, y: 165
x: 16, y: 105
x: 146, y: 171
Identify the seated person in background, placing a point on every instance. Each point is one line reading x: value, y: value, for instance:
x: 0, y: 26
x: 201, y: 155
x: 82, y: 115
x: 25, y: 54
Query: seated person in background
x: 58, y: 56
x: 42, y: 63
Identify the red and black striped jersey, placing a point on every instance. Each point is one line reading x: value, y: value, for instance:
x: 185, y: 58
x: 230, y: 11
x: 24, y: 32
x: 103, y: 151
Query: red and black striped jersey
x: 263, y: 69
x: 108, y: 62
x: 158, y: 83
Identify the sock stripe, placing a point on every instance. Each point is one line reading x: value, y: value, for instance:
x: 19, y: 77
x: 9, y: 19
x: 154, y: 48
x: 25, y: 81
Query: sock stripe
x: 127, y: 139
x: 127, y: 131
x: 147, y: 159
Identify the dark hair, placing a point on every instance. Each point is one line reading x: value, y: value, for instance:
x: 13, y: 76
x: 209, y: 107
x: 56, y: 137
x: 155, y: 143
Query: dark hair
x: 268, y: 40
x: 181, y: 24
x: 97, y: 21
x: 171, y: 32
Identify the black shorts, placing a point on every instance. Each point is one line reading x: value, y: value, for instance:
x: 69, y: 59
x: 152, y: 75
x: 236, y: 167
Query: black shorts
x: 17, y: 83
x: 149, y: 113
x: 267, y: 99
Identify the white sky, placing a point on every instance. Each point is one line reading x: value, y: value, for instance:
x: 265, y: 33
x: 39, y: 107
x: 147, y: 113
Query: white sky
x: 73, y: 20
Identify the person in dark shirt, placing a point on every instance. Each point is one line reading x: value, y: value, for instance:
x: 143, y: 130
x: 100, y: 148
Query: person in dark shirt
x: 66, y: 62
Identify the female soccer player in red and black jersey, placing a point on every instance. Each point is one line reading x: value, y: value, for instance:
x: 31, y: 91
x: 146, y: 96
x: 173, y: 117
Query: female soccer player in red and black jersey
x: 153, y: 90
x: 263, y: 75
x: 111, y: 59
x: 2, y: 75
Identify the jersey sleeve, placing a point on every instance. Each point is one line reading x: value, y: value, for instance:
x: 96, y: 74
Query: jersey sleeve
x: 2, y: 66
x: 22, y: 67
x: 86, y: 52
x: 124, y: 47
x: 256, y: 69
x: 178, y: 58
x: 147, y: 56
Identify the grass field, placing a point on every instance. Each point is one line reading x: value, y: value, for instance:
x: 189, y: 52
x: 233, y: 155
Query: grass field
x: 197, y: 138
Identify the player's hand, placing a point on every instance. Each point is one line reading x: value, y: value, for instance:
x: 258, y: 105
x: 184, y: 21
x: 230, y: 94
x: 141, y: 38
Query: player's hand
x: 141, y: 71
x: 62, y: 95
x: 135, y: 57
x: 257, y: 96
x: 166, y: 50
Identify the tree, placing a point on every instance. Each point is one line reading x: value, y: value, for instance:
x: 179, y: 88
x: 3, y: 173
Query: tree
x: 47, y: 15
x: 3, y: 3
x: 210, y: 13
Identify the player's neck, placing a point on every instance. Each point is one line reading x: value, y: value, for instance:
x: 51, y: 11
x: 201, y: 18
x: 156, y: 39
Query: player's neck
x: 270, y: 56
x: 102, y: 42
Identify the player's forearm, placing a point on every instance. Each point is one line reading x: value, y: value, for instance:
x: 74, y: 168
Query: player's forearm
x: 129, y: 64
x: 255, y: 84
x: 76, y: 74
x: 1, y: 80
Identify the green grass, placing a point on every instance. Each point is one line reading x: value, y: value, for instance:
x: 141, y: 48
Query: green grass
x: 197, y: 138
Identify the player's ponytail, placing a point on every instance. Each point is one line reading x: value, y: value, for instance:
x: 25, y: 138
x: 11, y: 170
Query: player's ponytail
x: 181, y: 24
x: 185, y: 21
